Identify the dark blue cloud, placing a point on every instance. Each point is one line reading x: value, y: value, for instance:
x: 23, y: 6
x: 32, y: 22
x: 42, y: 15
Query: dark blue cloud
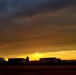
x: 31, y: 7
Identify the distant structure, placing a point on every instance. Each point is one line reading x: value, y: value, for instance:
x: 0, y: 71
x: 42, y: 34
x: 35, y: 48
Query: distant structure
x: 42, y: 61
x: 2, y: 61
x: 16, y: 60
x: 49, y: 60
x: 27, y: 59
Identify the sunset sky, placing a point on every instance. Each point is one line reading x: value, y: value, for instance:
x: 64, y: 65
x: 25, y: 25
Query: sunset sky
x: 38, y: 28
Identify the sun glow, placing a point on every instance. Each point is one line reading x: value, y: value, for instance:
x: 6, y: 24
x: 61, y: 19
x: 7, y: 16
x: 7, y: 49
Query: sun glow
x: 37, y: 56
x: 64, y: 55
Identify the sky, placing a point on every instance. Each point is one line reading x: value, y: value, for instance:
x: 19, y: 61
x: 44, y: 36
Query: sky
x: 46, y: 27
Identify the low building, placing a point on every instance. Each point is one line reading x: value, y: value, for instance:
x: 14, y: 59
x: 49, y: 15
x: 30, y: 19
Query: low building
x: 16, y: 60
x: 49, y: 60
x: 2, y: 61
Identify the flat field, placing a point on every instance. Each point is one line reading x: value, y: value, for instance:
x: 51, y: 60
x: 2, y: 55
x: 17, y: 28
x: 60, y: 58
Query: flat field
x: 37, y: 70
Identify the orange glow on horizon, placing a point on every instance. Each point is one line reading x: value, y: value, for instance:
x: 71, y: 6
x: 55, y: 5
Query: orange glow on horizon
x: 64, y: 55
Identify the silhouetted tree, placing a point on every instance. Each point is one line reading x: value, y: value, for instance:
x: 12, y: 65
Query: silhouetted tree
x: 27, y: 59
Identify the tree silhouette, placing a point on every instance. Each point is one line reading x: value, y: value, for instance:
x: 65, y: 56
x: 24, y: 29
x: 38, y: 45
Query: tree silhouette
x: 27, y: 59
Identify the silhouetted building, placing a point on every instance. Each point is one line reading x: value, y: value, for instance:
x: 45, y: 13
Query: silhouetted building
x: 49, y: 60
x: 2, y: 61
x: 16, y: 60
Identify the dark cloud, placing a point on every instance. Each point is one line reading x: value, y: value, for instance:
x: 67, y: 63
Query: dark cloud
x: 31, y: 7
x: 21, y: 31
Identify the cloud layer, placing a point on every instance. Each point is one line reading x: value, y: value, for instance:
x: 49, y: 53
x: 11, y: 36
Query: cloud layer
x: 37, y: 25
x: 31, y: 7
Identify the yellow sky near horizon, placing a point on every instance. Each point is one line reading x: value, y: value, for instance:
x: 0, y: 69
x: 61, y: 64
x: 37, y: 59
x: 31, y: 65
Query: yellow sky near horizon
x: 64, y: 55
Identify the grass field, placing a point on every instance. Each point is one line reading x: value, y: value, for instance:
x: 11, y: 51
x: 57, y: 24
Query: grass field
x: 37, y: 70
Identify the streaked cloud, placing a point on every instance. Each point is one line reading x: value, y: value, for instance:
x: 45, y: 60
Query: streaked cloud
x: 37, y: 25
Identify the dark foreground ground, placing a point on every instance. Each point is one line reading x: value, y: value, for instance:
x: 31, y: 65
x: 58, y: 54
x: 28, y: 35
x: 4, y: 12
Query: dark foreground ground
x: 37, y: 70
